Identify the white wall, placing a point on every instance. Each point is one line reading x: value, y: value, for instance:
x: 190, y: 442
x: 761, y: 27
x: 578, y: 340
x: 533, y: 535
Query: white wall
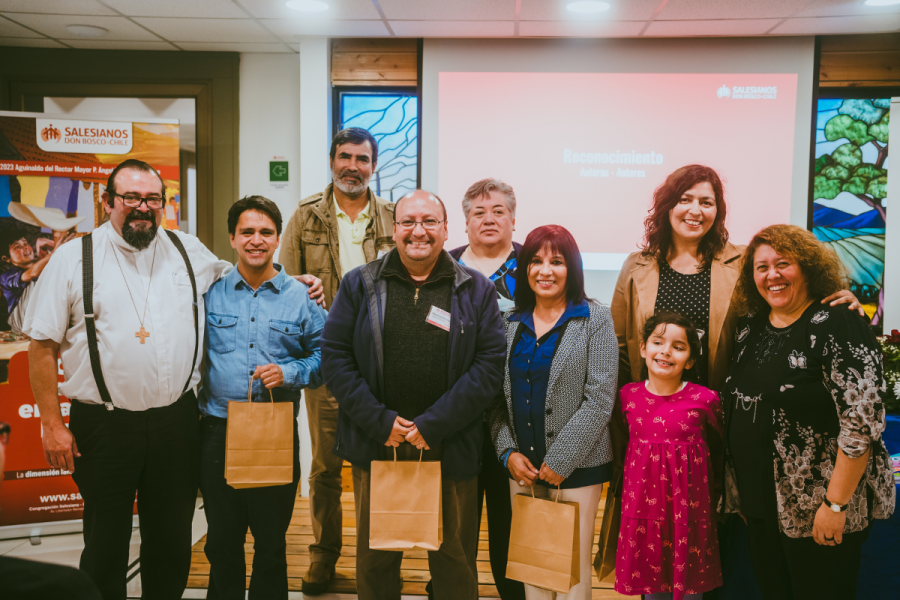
x: 270, y: 127
x: 315, y: 114
x: 892, y: 240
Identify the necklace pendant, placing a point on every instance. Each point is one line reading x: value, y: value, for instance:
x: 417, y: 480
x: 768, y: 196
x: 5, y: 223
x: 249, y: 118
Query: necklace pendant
x: 142, y: 333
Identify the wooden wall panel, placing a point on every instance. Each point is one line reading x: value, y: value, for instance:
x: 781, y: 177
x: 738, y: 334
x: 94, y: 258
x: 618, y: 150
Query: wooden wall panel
x: 871, y: 60
x: 374, y: 62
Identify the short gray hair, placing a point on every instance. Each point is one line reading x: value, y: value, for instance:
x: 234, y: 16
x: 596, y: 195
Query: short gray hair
x: 484, y: 188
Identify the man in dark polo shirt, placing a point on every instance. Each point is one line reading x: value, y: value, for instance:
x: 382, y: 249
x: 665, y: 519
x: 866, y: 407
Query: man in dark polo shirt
x: 413, y: 350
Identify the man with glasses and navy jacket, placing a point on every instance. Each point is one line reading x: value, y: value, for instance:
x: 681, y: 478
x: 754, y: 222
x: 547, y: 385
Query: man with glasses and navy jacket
x: 413, y: 350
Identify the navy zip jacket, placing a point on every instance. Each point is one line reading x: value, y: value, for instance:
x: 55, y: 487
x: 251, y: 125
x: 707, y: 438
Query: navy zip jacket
x: 353, y: 359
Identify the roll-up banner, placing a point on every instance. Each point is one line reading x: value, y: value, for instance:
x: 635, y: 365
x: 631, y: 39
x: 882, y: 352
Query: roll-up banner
x: 53, y: 171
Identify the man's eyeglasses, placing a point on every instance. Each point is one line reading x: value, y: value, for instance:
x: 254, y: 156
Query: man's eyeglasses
x: 134, y: 200
x: 428, y: 224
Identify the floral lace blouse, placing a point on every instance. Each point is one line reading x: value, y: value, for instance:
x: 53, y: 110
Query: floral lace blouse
x: 820, y: 393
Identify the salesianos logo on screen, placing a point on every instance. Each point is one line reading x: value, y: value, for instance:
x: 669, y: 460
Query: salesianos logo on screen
x: 748, y: 92
x: 587, y: 150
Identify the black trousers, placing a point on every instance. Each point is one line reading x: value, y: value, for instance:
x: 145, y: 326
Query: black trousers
x: 799, y: 568
x: 266, y: 511
x: 152, y: 453
x: 22, y: 579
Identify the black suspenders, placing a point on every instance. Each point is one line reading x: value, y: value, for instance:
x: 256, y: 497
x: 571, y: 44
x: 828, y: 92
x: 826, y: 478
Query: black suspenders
x: 87, y: 279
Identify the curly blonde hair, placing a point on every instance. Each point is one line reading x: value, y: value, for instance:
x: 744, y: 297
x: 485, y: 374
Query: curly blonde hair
x: 821, y: 267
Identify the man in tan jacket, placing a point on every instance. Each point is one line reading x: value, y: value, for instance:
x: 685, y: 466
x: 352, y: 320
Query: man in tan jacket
x: 329, y: 234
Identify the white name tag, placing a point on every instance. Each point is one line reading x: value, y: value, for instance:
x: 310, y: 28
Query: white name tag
x: 438, y: 317
x: 380, y: 254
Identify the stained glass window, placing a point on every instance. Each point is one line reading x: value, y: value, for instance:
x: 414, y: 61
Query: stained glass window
x: 392, y: 117
x: 850, y: 185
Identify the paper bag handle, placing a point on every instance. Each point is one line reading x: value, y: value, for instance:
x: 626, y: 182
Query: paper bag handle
x: 250, y: 393
x: 558, y: 492
x: 421, y: 452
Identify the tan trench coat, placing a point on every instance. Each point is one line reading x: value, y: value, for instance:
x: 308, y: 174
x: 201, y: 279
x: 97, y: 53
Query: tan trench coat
x: 309, y: 242
x: 634, y: 302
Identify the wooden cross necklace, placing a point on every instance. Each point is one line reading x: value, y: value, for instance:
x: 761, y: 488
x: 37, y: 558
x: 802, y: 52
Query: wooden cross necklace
x: 141, y: 333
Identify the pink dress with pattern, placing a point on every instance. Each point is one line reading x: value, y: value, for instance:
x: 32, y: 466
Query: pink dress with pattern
x: 667, y: 542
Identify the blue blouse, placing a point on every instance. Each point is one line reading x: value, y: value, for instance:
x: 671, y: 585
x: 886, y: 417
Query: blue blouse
x: 529, y: 374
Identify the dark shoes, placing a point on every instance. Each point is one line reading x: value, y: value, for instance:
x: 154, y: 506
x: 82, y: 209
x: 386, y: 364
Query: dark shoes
x: 316, y: 580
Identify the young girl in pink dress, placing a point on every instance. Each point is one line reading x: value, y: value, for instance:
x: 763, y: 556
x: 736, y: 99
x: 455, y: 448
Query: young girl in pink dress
x: 667, y: 543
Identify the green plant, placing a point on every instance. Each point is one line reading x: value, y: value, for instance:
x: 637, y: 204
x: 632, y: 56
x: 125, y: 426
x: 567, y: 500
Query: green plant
x: 890, y: 349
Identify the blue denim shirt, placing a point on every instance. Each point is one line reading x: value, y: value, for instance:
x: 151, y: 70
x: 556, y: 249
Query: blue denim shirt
x: 246, y: 328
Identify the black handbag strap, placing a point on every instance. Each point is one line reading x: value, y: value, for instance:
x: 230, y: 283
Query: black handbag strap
x: 87, y: 279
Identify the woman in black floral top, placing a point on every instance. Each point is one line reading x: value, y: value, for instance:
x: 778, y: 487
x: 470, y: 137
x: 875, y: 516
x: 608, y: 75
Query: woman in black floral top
x: 806, y: 466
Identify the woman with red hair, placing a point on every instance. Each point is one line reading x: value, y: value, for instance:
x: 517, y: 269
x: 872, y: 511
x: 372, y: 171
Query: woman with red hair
x: 686, y: 265
x: 550, y: 425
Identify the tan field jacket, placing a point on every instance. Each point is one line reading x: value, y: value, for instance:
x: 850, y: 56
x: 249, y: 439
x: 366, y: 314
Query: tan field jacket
x: 309, y: 242
x: 634, y: 301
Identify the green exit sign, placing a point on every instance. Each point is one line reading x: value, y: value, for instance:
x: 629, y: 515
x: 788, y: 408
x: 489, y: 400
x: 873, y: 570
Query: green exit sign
x: 278, y: 170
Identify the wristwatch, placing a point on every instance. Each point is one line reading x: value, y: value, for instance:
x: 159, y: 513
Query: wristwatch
x: 834, y: 507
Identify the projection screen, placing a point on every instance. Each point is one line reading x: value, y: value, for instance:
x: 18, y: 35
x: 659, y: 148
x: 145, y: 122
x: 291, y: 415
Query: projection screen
x: 585, y: 130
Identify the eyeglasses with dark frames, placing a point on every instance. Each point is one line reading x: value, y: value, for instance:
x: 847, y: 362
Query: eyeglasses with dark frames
x: 427, y: 224
x: 135, y: 200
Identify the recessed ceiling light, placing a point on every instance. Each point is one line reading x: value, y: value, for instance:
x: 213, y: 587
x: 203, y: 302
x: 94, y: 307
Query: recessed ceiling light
x: 308, y: 5
x: 87, y: 31
x: 882, y: 2
x: 587, y: 6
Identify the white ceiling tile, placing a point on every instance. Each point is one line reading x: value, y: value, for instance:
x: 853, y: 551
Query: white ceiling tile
x: 338, y: 9
x: 287, y: 29
x: 10, y: 29
x: 840, y: 8
x: 835, y: 25
x: 447, y: 10
x: 30, y: 42
x: 55, y: 7
x: 723, y: 27
x: 458, y: 29
x: 580, y: 29
x: 234, y: 47
x: 623, y: 10
x: 207, y: 30
x: 119, y: 28
x: 120, y: 45
x: 719, y: 9
x: 210, y: 9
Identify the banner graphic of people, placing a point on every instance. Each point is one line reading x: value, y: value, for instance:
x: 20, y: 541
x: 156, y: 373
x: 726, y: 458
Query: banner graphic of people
x: 53, y: 170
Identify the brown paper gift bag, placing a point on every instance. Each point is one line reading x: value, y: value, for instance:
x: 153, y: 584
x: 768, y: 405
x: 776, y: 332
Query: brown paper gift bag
x: 544, y: 543
x: 259, y: 443
x: 405, y: 505
x: 605, y: 561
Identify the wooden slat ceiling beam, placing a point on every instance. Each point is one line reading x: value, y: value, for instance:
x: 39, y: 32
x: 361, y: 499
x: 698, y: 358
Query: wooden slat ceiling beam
x: 374, y: 62
x: 871, y: 60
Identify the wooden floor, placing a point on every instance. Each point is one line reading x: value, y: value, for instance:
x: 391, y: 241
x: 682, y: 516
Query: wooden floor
x: 414, y: 568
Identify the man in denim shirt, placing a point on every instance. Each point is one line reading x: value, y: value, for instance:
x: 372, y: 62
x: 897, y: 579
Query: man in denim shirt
x: 262, y: 325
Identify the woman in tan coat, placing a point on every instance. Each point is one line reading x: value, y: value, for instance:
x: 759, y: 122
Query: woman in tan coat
x: 687, y: 265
